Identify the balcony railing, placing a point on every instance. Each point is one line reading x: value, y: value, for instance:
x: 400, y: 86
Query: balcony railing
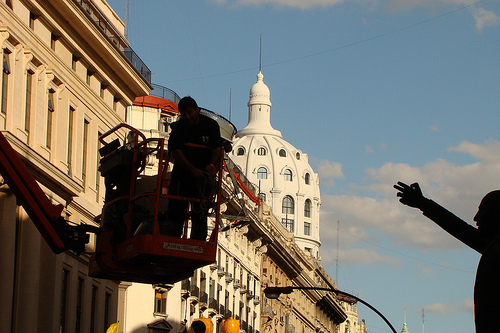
x: 137, y: 63
x: 101, y: 21
x: 213, y: 304
x: 230, y: 164
x: 195, y: 291
x: 203, y: 297
x: 165, y: 93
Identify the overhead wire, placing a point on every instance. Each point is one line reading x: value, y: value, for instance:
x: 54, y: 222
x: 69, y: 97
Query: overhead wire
x: 348, y: 45
x: 406, y: 255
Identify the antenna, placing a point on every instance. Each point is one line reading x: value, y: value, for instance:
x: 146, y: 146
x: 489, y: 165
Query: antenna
x: 260, y: 53
x: 229, y: 104
x: 337, y: 256
x: 126, y: 18
x: 423, y: 320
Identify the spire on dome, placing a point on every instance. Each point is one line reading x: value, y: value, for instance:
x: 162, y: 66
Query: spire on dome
x: 259, y: 110
x: 260, y: 93
x: 405, y: 329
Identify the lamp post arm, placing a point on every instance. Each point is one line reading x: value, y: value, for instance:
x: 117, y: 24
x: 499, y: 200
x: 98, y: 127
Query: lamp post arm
x: 288, y: 290
x: 338, y: 292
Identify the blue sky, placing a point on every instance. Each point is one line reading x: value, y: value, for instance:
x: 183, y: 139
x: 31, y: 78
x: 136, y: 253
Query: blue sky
x: 374, y: 92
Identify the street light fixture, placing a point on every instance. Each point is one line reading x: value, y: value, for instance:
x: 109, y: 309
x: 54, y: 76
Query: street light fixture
x: 275, y: 292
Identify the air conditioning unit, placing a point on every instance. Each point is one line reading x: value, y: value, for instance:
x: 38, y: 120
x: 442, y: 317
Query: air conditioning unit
x: 167, y: 120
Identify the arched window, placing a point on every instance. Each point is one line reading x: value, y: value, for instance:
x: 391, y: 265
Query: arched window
x: 297, y: 156
x: 307, y: 208
x: 307, y: 178
x: 240, y: 151
x: 288, y: 175
x: 282, y: 153
x: 288, y: 205
x: 261, y: 173
x: 261, y: 151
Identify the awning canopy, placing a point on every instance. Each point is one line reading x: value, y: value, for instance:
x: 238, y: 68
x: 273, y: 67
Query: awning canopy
x: 156, y: 102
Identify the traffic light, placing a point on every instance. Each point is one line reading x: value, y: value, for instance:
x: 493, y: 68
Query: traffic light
x: 201, y: 325
x: 231, y: 325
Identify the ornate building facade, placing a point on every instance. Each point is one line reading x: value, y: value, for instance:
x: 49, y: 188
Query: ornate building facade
x: 65, y: 79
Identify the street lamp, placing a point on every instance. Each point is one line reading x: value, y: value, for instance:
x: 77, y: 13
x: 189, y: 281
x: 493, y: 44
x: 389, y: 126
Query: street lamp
x: 275, y: 292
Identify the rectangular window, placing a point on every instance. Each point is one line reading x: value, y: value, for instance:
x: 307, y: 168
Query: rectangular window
x: 107, y: 308
x: 161, y: 302
x: 86, y: 126
x: 32, y: 20
x: 29, y: 86
x: 93, y: 308
x: 64, y: 299
x: 5, y: 82
x: 98, y: 173
x: 74, y: 62
x: 89, y: 76
x: 103, y: 90
x: 53, y: 40
x: 307, y: 228
x: 70, y: 139
x: 79, y: 302
x: 288, y: 223
x: 50, y: 111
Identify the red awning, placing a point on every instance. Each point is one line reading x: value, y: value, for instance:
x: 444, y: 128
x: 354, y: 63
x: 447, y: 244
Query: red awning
x: 156, y: 102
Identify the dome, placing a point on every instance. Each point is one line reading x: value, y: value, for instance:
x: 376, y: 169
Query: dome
x: 282, y: 172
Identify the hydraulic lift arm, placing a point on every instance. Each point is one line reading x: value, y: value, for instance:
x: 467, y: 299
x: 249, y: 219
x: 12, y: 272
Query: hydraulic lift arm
x: 58, y: 234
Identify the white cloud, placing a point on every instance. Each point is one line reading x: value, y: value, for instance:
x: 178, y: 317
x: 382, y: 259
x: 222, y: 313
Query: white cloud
x: 433, y: 128
x: 426, y: 272
x: 371, y: 219
x: 371, y: 150
x: 364, y: 256
x: 489, y: 151
x: 446, y: 309
x: 329, y: 171
x: 485, y: 18
x: 398, y: 5
x: 301, y: 4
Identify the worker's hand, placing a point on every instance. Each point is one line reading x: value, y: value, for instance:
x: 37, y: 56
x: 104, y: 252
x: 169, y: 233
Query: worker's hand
x: 410, y: 195
x: 210, y: 169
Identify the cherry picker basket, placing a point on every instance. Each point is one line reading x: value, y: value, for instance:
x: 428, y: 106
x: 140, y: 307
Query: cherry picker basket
x: 130, y: 245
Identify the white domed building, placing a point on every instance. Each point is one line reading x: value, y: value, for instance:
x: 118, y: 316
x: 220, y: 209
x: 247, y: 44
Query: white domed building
x: 286, y: 181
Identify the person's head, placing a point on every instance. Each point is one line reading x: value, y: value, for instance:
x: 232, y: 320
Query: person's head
x: 488, y: 215
x: 189, y: 110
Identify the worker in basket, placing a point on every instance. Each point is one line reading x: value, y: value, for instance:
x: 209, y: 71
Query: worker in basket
x: 196, y: 146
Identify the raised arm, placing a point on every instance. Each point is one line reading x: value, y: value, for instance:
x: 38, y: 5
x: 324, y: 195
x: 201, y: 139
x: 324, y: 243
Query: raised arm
x: 411, y: 195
